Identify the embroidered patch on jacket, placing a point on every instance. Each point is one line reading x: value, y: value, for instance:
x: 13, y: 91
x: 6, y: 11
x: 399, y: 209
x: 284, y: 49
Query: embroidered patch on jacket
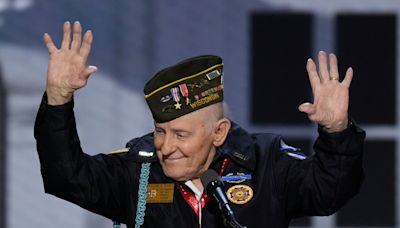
x: 238, y: 178
x: 240, y: 194
x: 292, y: 151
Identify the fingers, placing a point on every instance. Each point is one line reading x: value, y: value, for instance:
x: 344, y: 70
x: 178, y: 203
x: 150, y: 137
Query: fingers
x: 77, y: 36
x: 86, y: 44
x: 49, y: 43
x: 323, y: 66
x: 312, y: 73
x: 324, y: 74
x: 333, y: 67
x: 67, y: 36
x: 75, y: 45
x: 348, y: 77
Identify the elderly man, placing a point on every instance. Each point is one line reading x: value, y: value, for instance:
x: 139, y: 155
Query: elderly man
x: 156, y: 182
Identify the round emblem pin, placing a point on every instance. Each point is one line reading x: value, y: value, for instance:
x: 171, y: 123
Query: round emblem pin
x: 240, y: 194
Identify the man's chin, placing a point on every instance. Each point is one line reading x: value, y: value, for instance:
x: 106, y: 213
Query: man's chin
x: 175, y: 174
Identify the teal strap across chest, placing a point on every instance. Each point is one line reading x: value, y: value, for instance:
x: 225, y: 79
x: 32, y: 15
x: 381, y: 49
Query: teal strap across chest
x: 142, y: 196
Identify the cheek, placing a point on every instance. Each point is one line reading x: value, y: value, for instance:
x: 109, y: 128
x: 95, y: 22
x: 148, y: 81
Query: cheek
x: 199, y: 151
x: 157, y: 142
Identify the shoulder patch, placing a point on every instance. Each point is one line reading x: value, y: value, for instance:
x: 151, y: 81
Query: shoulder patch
x: 119, y: 151
x: 291, y: 151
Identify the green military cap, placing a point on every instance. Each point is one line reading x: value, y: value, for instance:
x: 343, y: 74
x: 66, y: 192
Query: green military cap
x: 189, y: 85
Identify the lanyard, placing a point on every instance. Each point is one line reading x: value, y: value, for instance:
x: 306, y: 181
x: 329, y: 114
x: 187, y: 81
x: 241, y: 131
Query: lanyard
x: 191, y: 199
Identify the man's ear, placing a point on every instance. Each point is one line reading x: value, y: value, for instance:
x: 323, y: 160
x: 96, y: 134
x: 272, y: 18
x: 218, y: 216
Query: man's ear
x: 221, y: 130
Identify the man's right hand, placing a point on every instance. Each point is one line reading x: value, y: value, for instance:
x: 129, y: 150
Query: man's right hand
x: 67, y: 70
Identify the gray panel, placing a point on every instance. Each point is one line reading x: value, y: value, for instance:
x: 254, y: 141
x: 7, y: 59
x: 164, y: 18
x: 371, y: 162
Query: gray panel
x: 2, y: 151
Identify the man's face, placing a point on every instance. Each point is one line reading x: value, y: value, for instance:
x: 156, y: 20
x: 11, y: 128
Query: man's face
x: 185, y: 146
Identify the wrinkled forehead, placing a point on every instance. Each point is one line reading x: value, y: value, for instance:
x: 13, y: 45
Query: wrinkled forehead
x: 193, y: 120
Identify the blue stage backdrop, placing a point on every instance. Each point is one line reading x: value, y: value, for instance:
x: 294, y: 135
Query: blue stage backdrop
x: 133, y: 39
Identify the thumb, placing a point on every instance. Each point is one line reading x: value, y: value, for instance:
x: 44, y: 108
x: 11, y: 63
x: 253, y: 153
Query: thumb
x: 307, y: 108
x: 88, y: 71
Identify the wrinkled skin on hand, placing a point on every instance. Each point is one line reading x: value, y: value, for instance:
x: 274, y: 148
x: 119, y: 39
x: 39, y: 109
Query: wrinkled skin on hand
x: 67, y: 69
x: 331, y: 97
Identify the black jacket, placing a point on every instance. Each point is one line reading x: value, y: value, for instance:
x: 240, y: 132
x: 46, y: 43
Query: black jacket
x: 284, y: 187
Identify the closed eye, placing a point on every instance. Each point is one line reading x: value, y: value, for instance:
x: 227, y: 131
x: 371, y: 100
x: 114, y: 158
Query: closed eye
x: 182, y: 134
x: 159, y: 130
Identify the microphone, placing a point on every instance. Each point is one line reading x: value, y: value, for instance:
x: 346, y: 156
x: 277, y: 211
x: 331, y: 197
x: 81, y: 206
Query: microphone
x: 214, y: 186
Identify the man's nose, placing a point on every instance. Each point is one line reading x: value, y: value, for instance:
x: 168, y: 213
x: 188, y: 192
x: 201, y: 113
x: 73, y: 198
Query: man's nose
x: 168, y: 145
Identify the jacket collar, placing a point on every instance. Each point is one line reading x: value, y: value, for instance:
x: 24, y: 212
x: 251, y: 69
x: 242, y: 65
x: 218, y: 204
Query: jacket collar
x: 239, y: 146
x: 143, y: 144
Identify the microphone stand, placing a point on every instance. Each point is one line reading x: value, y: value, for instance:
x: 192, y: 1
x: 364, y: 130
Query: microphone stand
x: 227, y: 212
x: 233, y: 223
x: 214, y: 186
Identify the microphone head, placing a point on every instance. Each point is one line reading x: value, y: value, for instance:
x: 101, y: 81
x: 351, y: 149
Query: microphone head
x: 210, y: 181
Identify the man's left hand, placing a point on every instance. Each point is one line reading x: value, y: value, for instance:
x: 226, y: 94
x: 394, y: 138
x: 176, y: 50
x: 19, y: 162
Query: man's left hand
x: 331, y: 97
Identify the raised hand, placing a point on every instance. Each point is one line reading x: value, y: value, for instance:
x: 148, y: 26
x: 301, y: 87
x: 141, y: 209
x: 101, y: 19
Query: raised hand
x: 67, y: 69
x: 331, y: 97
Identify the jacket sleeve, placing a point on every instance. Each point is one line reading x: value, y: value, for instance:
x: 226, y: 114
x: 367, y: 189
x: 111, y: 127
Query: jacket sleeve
x: 97, y: 183
x: 322, y: 183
